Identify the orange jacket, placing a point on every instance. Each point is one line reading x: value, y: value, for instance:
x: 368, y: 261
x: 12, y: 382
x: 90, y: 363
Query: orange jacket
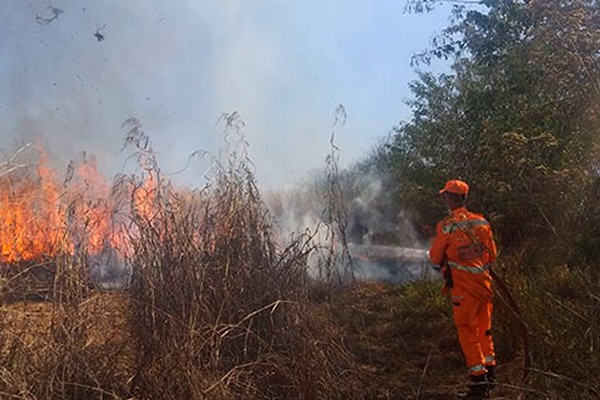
x: 465, y: 240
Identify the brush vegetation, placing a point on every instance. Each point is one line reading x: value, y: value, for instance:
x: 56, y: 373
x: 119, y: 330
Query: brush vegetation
x: 220, y: 306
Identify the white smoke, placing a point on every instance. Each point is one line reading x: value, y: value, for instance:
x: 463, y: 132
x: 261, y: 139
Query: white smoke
x: 382, y: 247
x: 74, y: 70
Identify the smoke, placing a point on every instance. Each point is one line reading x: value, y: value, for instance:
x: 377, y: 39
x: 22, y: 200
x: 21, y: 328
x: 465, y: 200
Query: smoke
x: 382, y: 242
x: 76, y: 70
x: 374, y: 215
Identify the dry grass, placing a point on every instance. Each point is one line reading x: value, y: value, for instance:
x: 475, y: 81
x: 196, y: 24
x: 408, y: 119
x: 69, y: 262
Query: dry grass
x: 70, y: 348
x: 373, y: 341
x: 405, y: 337
x: 217, y: 309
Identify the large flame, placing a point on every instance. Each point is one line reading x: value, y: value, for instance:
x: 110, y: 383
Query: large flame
x: 29, y: 214
x: 42, y: 217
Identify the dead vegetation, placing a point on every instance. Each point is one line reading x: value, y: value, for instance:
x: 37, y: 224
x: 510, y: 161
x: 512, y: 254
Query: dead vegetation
x: 215, y: 308
x: 218, y: 309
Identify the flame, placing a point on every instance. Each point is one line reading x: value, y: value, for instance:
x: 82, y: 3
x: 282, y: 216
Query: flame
x: 95, y: 211
x: 40, y: 217
x: 29, y: 214
x: 145, y: 197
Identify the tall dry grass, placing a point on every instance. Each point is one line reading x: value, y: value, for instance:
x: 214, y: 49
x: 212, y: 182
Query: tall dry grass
x: 219, y: 309
x: 215, y: 308
x: 55, y: 342
x: 559, y: 306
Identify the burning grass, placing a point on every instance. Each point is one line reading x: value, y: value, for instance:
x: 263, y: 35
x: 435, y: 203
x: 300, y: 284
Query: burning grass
x: 215, y: 308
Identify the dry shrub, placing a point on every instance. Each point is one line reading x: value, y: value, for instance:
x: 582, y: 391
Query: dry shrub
x: 558, y: 305
x: 220, y: 311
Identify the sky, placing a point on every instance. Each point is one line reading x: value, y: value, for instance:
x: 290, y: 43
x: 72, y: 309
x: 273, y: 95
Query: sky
x: 72, y: 71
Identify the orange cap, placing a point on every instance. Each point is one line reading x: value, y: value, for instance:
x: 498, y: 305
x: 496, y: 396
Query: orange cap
x: 455, y: 186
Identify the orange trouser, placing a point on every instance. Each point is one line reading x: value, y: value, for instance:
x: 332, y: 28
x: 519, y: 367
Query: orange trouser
x: 473, y: 320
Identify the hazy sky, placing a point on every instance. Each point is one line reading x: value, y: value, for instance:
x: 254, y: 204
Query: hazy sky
x: 176, y: 65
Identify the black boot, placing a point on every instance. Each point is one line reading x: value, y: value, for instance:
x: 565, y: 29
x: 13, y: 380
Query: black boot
x: 477, y: 389
x: 491, y: 373
x: 491, y: 376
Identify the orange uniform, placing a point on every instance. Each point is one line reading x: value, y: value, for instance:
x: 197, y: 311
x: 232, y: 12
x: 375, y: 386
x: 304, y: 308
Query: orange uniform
x: 465, y: 245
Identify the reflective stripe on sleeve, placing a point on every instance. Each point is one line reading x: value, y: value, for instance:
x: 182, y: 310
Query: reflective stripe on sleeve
x: 473, y: 270
x: 469, y: 223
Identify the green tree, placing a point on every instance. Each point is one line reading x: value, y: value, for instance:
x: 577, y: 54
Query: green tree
x: 518, y: 117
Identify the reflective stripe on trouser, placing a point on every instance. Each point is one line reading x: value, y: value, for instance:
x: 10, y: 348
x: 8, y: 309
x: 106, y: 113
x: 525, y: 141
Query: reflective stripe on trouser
x: 489, y: 360
x: 477, y: 369
x: 473, y: 320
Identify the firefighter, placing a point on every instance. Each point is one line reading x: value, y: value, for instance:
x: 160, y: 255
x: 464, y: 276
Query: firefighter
x: 464, y: 248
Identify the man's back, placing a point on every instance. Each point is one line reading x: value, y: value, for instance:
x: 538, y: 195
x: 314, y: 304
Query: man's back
x: 465, y: 242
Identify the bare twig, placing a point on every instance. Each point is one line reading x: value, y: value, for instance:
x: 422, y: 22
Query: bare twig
x: 423, y: 375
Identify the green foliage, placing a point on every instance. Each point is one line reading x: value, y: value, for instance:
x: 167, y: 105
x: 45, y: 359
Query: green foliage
x: 518, y: 118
